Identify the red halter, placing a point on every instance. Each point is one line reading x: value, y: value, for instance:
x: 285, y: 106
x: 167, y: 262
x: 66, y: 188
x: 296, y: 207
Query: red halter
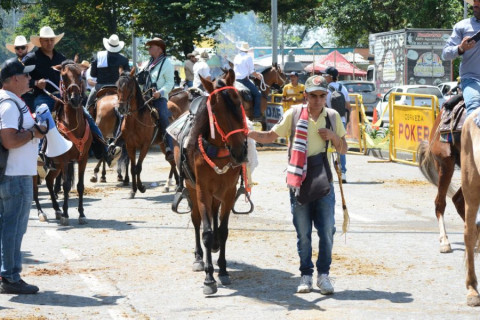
x: 213, y: 119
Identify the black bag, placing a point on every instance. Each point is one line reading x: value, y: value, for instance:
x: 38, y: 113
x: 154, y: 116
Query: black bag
x: 337, y: 102
x: 3, y: 150
x: 317, y: 182
x: 142, y: 77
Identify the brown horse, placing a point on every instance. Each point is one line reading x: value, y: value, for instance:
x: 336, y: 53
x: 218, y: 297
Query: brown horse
x: 272, y: 75
x: 437, y: 162
x: 72, y: 125
x: 138, y: 127
x: 470, y: 160
x: 215, y: 188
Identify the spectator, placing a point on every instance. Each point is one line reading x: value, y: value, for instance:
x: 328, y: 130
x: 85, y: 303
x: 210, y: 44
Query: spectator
x: 189, y: 64
x: 201, y: 68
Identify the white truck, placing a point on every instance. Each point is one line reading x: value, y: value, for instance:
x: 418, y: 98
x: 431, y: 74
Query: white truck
x: 408, y: 57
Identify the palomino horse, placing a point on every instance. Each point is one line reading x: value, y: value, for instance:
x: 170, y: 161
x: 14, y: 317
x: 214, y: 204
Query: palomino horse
x: 470, y: 160
x: 73, y: 126
x: 437, y: 162
x: 138, y: 127
x: 213, y: 187
x: 272, y: 75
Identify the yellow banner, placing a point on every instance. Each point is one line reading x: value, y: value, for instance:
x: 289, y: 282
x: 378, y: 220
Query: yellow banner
x: 412, y: 125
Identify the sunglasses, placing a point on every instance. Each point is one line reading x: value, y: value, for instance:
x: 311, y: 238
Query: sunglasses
x: 20, y: 48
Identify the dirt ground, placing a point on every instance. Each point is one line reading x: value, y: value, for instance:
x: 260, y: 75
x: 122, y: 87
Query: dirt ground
x: 133, y: 259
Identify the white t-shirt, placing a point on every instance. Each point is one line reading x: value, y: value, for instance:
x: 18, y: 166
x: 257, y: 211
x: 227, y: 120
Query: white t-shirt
x: 243, y: 65
x: 200, y: 68
x: 22, y: 161
x: 344, y: 92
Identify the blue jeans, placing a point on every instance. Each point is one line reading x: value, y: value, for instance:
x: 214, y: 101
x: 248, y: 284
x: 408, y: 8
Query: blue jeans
x: 343, y: 158
x: 93, y: 126
x: 43, y: 98
x: 257, y: 96
x: 16, y: 195
x: 320, y: 213
x: 189, y: 83
x: 471, y: 94
x: 164, y: 113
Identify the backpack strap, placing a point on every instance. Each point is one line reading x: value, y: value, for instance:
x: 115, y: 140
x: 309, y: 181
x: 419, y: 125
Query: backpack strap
x: 297, y: 110
x: 20, y: 117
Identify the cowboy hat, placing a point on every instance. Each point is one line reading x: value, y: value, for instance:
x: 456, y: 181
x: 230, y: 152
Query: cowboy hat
x: 158, y: 42
x: 85, y: 64
x: 113, y: 44
x: 45, y: 32
x: 243, y: 46
x: 19, y: 41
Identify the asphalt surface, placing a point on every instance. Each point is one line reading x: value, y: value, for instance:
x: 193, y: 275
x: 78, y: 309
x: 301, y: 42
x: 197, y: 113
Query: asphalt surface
x: 133, y: 260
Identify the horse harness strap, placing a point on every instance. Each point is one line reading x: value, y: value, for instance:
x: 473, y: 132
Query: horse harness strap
x: 213, y: 151
x: 78, y: 142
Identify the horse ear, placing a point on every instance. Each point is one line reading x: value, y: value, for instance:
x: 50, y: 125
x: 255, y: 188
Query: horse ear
x: 57, y: 67
x: 132, y: 72
x: 230, y: 78
x: 208, y: 85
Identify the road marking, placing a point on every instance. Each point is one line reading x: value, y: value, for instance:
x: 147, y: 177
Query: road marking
x: 70, y: 254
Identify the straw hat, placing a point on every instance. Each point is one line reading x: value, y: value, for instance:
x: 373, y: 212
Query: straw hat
x: 113, y: 44
x: 243, y: 46
x: 158, y: 42
x: 204, y: 55
x: 85, y: 64
x: 45, y: 32
x: 19, y: 41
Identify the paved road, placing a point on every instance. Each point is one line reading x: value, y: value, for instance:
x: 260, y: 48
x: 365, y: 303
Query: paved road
x: 133, y: 260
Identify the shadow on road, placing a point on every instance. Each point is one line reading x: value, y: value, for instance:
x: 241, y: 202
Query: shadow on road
x: 50, y: 298
x: 278, y: 287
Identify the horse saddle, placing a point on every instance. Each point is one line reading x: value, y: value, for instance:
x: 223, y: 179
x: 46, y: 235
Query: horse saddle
x: 244, y: 91
x: 106, y: 90
x: 174, y: 92
x: 453, y: 115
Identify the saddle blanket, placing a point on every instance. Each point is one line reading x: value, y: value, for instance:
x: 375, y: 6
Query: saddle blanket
x: 453, y: 115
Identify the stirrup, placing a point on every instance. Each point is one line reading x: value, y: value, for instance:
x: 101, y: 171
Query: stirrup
x: 241, y: 191
x: 179, y: 196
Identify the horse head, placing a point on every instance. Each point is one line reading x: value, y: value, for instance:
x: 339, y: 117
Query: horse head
x: 278, y: 77
x: 71, y: 83
x: 129, y: 93
x: 226, y: 113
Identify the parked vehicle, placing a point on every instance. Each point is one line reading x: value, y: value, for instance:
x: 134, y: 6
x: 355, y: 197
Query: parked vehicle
x: 406, y: 100
x: 368, y: 92
x: 446, y: 87
x: 408, y: 57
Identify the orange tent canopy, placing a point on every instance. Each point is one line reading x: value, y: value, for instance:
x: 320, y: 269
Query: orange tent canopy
x: 337, y: 60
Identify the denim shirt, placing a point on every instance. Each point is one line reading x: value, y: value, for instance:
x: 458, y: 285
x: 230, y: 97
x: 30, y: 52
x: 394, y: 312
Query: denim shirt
x: 470, y: 66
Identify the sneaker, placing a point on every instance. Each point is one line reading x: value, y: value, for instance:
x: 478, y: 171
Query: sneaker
x: 344, y: 177
x: 305, y: 285
x: 20, y: 287
x: 325, y: 284
x: 113, y: 154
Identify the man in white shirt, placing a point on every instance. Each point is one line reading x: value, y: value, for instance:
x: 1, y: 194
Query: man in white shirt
x: 201, y: 68
x: 243, y: 67
x: 19, y: 135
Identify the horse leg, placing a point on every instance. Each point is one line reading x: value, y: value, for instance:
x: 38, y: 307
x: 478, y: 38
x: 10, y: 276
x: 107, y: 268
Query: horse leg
x: 131, y: 155
x: 459, y: 203
x: 215, y: 209
x: 209, y: 285
x: 227, y: 206
x: 94, y: 178
x: 126, y: 181
x: 41, y: 215
x: 50, y: 180
x: 67, y: 175
x: 445, y: 173
x: 198, y: 264
x: 471, y: 239
x: 138, y: 169
x: 103, y: 178
x: 80, y: 189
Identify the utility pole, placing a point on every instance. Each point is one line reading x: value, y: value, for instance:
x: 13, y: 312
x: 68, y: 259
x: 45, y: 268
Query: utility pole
x: 465, y: 9
x: 274, y: 32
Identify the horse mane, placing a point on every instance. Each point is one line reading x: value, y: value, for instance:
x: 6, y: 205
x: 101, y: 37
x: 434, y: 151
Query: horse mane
x: 200, y: 126
x: 71, y: 65
x: 264, y: 72
x: 123, y: 81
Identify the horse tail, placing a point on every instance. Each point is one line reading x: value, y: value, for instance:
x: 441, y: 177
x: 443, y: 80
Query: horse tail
x: 426, y: 163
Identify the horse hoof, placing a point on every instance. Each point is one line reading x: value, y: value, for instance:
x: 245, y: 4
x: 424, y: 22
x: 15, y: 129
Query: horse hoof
x: 225, y: 279
x: 93, y: 179
x: 82, y: 220
x: 125, y: 183
x: 210, y: 288
x: 198, y: 266
x: 473, y: 301
x: 58, y: 215
x: 64, y: 221
x: 42, y: 217
x: 165, y: 189
x: 119, y: 179
x: 446, y: 248
x: 132, y: 194
x: 103, y: 179
x: 142, y: 189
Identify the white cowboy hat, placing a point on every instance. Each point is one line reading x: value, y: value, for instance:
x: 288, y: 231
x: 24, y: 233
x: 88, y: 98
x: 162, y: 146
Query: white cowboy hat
x: 46, y: 32
x: 243, y: 46
x: 113, y: 44
x: 19, y: 41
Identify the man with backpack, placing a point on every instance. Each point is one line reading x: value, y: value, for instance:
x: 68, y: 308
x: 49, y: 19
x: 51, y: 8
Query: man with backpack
x: 338, y: 100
